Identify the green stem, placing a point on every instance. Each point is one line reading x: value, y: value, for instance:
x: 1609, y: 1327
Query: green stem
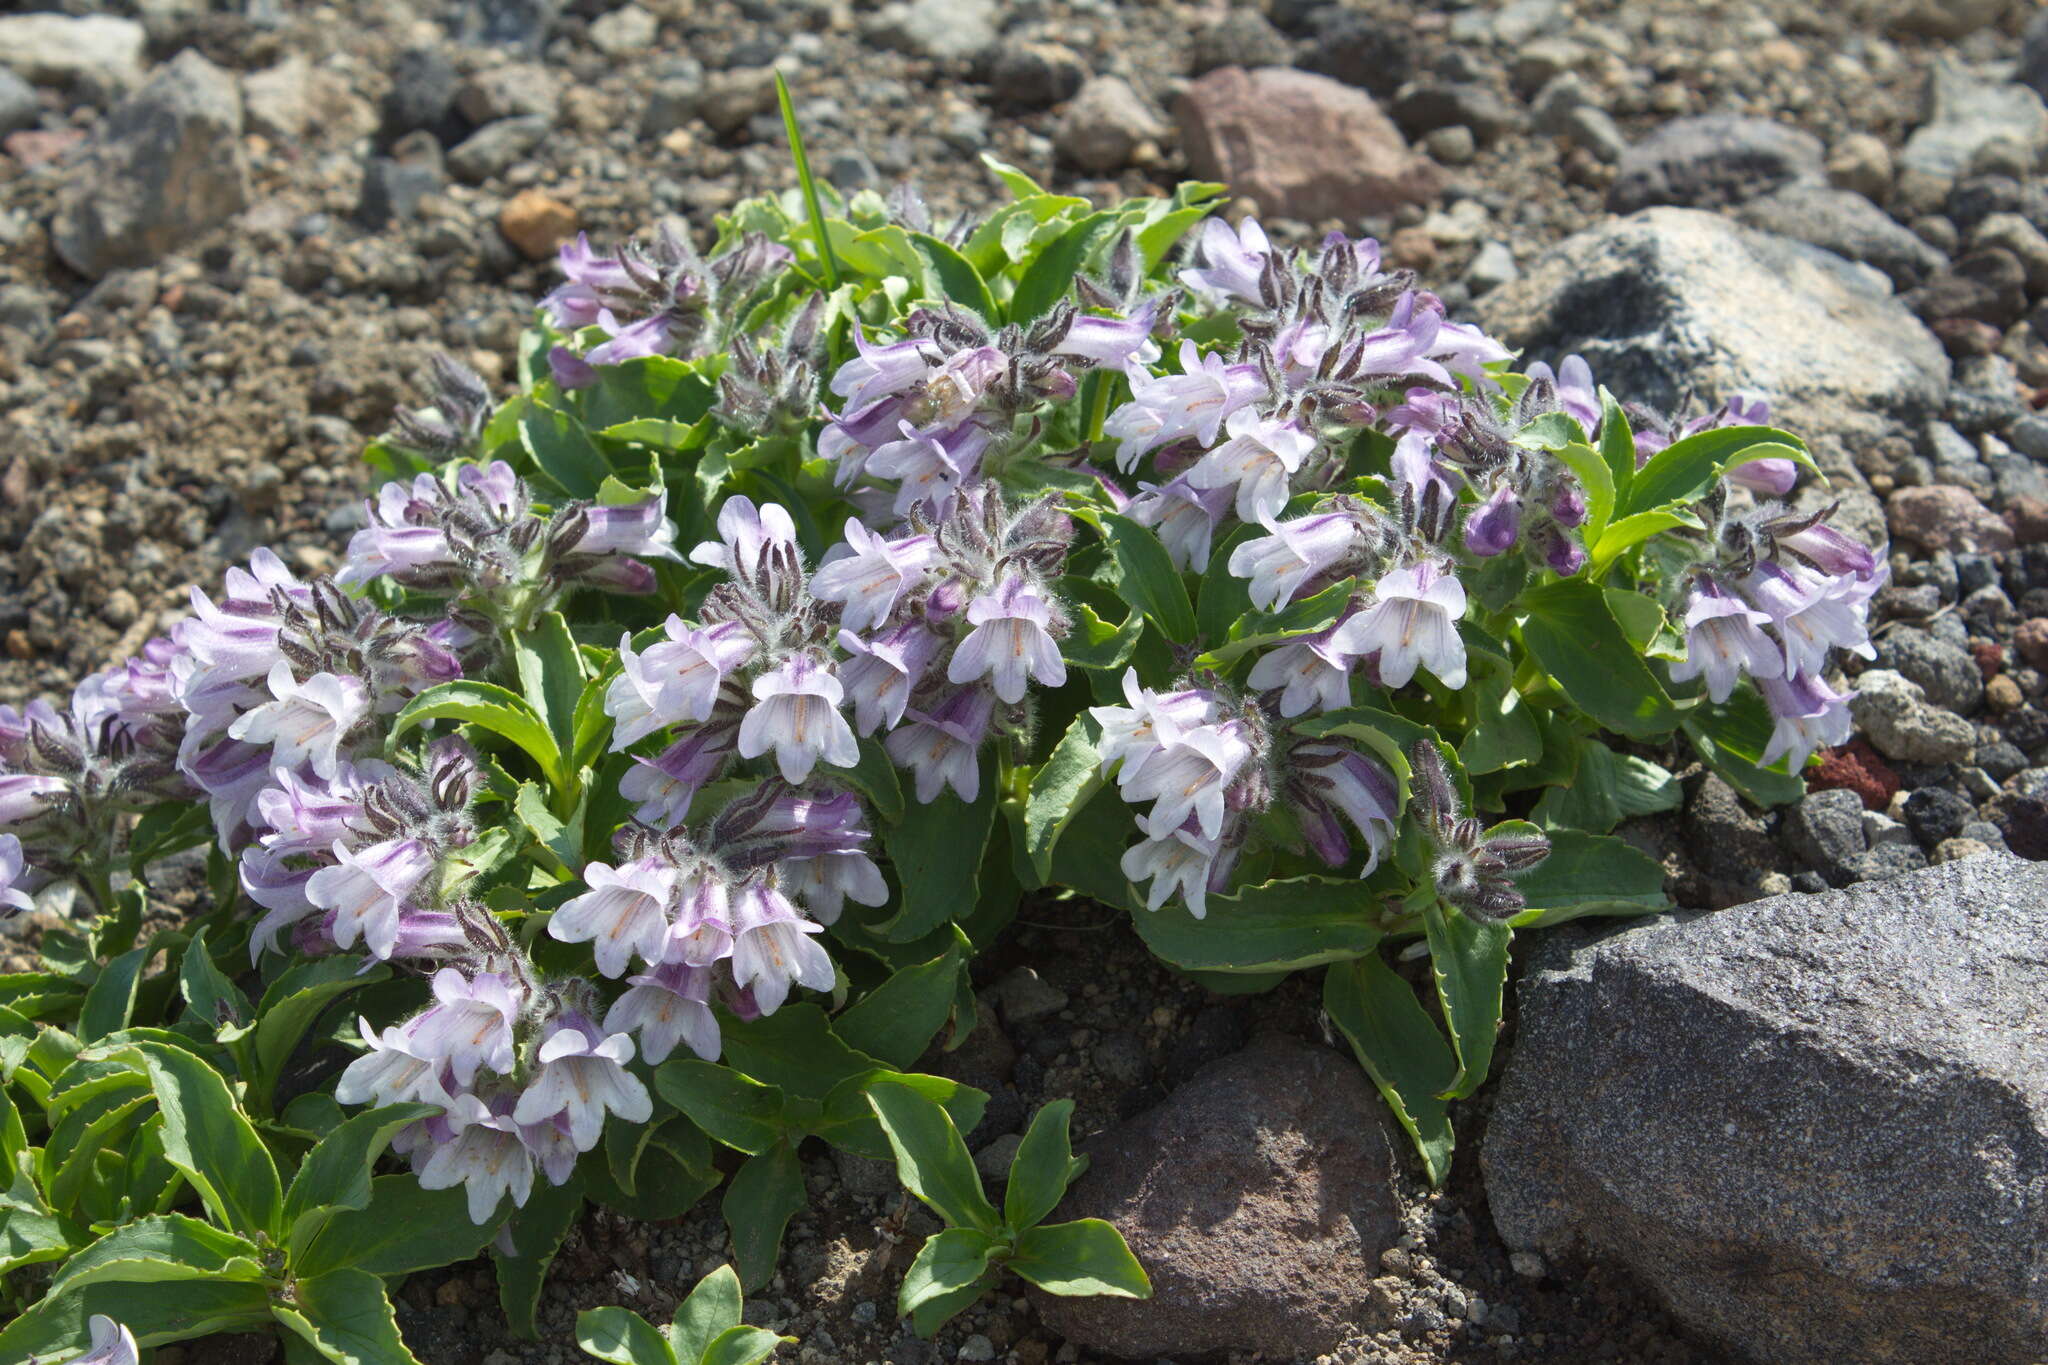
x: 810, y: 186
x: 1098, y: 405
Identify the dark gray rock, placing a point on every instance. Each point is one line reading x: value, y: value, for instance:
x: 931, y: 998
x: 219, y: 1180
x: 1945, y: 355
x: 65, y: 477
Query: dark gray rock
x: 1936, y: 813
x: 422, y: 94
x: 1713, y: 161
x: 491, y: 149
x: 513, y: 23
x: 1946, y: 673
x: 1242, y: 37
x: 1726, y: 840
x: 2034, y: 53
x: 1035, y: 75
x: 1258, y: 1197
x: 1848, y: 225
x: 1359, y: 49
x: 19, y: 107
x: 1816, y: 1125
x: 166, y: 166
x: 1428, y: 105
x: 1647, y: 299
x: 394, y: 185
x: 1881, y: 862
x: 1825, y: 830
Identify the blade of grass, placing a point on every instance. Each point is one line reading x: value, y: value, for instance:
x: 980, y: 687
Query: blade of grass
x: 810, y: 186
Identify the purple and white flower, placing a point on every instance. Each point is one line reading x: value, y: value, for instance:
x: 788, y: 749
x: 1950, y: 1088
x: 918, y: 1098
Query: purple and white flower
x: 871, y: 574
x: 112, y: 1344
x: 307, y: 722
x: 1194, y: 403
x: 488, y: 1157
x: 12, y: 875
x: 1313, y: 673
x: 1294, y: 553
x: 625, y: 911
x: 1185, y: 518
x: 1179, y: 862
x: 669, y: 1004
x: 394, y: 1070
x: 366, y: 890
x: 879, y: 674
x: 1493, y: 527
x: 1259, y: 461
x: 583, y: 1077
x: 1011, y: 642
x: 470, y: 1024
x: 1577, y: 396
x: 664, y: 786
x: 1188, y: 776
x: 1413, y: 622
x: 773, y: 948
x: 745, y: 534
x: 1814, y: 615
x: 1724, y: 639
x: 1232, y: 262
x: 941, y: 747
x: 1334, y: 780
x: 675, y: 680
x: 796, y: 714
x: 1806, y: 715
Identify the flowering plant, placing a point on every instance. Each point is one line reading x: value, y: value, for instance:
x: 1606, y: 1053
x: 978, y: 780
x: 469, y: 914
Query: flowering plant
x: 682, y: 723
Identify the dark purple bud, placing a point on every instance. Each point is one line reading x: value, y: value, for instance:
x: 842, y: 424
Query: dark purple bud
x: 1493, y: 527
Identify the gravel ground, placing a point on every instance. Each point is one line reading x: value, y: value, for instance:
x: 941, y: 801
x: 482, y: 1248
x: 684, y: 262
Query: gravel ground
x: 210, y: 395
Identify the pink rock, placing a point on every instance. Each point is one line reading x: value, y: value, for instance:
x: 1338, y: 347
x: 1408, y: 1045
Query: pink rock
x: 1303, y: 145
x: 32, y: 147
x: 1944, y: 517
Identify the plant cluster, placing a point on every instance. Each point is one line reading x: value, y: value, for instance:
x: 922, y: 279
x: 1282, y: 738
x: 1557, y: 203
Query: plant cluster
x: 628, y: 809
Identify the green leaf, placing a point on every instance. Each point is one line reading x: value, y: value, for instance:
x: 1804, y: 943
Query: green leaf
x: 875, y: 778
x: 931, y: 1159
x: 794, y: 1048
x: 1149, y: 580
x: 1088, y: 1257
x: 489, y: 707
x: 293, y: 1004
x: 1617, y: 448
x: 160, y: 1247
x: 1255, y: 630
x: 1632, y: 531
x: 809, y: 186
x: 846, y: 1121
x: 1596, y: 481
x: 1400, y: 1048
x: 345, y: 1316
x: 402, y: 1229
x: 743, y: 1346
x: 1608, y: 789
x: 956, y: 275
x: 1042, y: 1169
x: 168, y: 828
x: 1276, y: 926
x: 1731, y: 736
x: 538, y: 1231
x: 211, y: 1141
x: 157, y: 1313
x: 1063, y: 784
x: 1685, y: 469
x: 111, y: 1000
x: 1047, y: 279
x: 563, y: 449
x: 211, y: 997
x: 1504, y: 731
x: 31, y: 1237
x: 74, y: 1146
x: 898, y: 1019
x: 736, y: 1110
x: 1469, y: 958
x: 335, y: 1175
x: 765, y: 1193
x: 623, y: 1337
x: 550, y: 669
x: 1572, y: 631
x: 937, y: 857
x: 1096, y: 644
x: 712, y: 1309
x: 949, y: 1265
x: 1590, y: 874
x: 1021, y: 186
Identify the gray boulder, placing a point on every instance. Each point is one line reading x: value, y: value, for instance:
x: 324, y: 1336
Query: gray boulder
x: 1968, y: 109
x: 1816, y: 1125
x: 1258, y: 1196
x: 1713, y: 161
x: 1847, y: 224
x: 166, y: 166
x: 98, y: 52
x: 1670, y: 302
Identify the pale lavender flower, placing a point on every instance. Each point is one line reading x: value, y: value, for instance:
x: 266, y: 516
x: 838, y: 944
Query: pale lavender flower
x: 1813, y: 615
x: 773, y: 949
x: 634, y: 528
x: 1493, y: 527
x: 1178, y: 862
x: 1113, y: 342
x: 487, y: 1157
x: 879, y: 371
x: 305, y: 812
x: 583, y: 1076
x: 702, y: 930
x: 307, y: 722
x: 668, y: 1005
x: 1413, y: 621
x: 868, y: 573
x: 112, y: 1344
x: 1150, y: 720
x: 941, y: 747
x: 1402, y: 349
x: 24, y: 796
x: 1314, y: 673
x: 553, y: 1149
x: 1011, y: 642
x: 1188, y: 776
x: 235, y: 639
x: 745, y: 534
x: 796, y: 713
x: 1193, y: 403
x: 470, y: 1024
x: 367, y: 889
x: 1337, y: 780
x: 13, y: 872
x: 1723, y: 640
x: 1807, y: 714
x: 1185, y: 518
x: 1293, y: 553
x: 1415, y: 465
x: 929, y: 466
x: 1232, y: 262
x: 664, y: 786
x: 394, y: 1070
x: 879, y: 674
x: 1775, y: 477
x: 1259, y: 460
x: 953, y: 391
x: 1577, y: 396
x: 824, y: 882
x: 1830, y: 551
x: 1466, y: 351
x: 674, y: 680
x: 575, y: 305
x: 624, y: 912
x: 570, y: 370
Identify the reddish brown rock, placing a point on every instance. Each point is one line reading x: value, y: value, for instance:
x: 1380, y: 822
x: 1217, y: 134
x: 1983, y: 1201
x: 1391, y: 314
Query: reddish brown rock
x: 2032, y: 642
x: 1944, y: 517
x: 536, y: 222
x: 1303, y: 145
x: 2028, y: 518
x: 1990, y: 659
x: 1858, y: 768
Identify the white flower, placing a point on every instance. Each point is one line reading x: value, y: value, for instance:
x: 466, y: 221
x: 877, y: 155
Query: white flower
x: 668, y: 1005
x: 112, y: 1344
x: 12, y: 868
x: 745, y: 534
x: 1413, y: 620
x: 824, y: 882
x: 1814, y: 615
x: 470, y: 1025
x: 583, y: 1074
x: 774, y: 948
x: 941, y: 747
x: 624, y: 912
x: 1184, y: 516
x: 487, y: 1156
x: 871, y: 574
x: 1010, y: 642
x: 1723, y: 639
x: 1232, y: 262
x: 1293, y: 552
x: 880, y: 673
x: 796, y: 713
x: 1193, y: 403
x: 701, y: 933
x: 307, y: 721
x: 1807, y: 715
x: 675, y: 680
x: 1187, y: 776
x: 1131, y: 733
x: 1314, y: 673
x: 1259, y: 460
x: 393, y: 1071
x: 366, y: 890
x: 1179, y: 861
